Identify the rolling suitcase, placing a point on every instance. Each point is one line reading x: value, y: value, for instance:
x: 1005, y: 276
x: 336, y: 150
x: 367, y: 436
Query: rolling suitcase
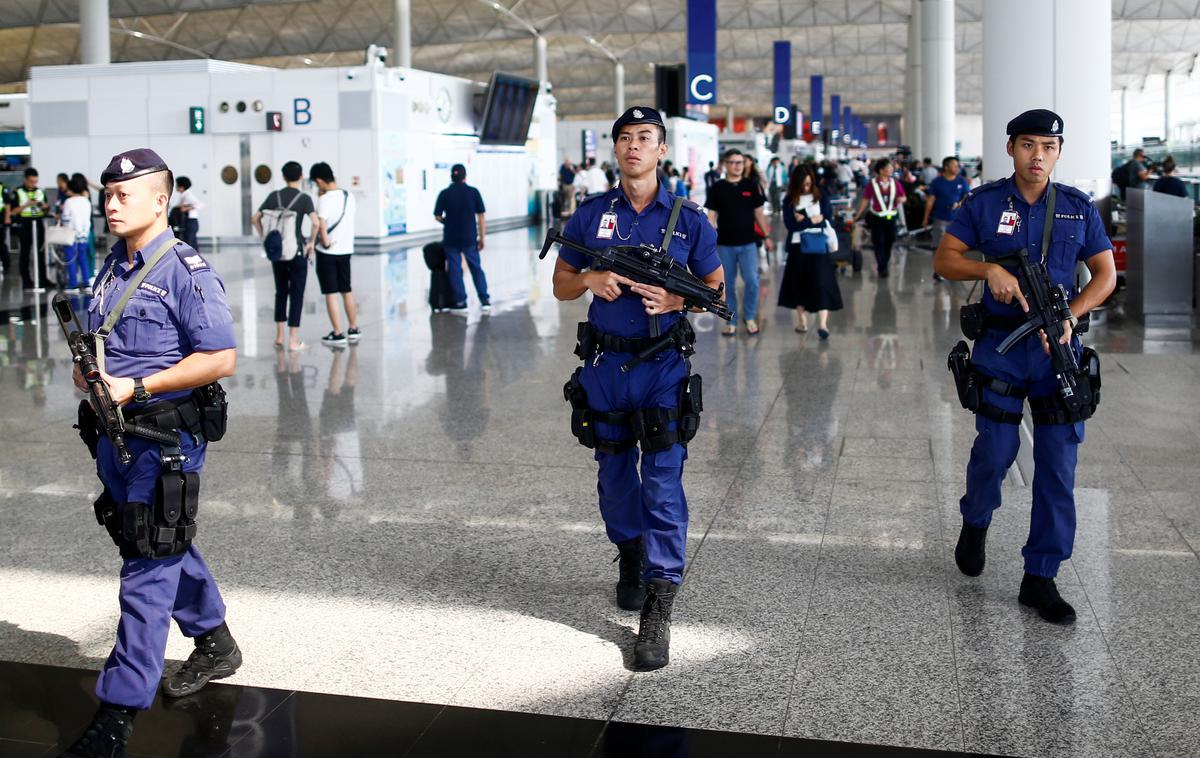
x: 440, y: 298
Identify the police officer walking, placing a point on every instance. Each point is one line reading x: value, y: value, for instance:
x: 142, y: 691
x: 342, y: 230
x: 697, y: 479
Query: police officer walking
x: 619, y: 402
x: 1060, y: 226
x: 28, y: 208
x: 163, y: 336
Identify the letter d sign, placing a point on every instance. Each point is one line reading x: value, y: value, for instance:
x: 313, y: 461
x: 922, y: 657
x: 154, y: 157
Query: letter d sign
x: 782, y: 114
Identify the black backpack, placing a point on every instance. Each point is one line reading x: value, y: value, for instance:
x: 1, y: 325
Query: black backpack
x: 1120, y: 174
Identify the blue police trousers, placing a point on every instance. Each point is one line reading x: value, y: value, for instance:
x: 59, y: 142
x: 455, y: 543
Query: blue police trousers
x: 1055, y: 453
x: 652, y: 505
x: 153, y: 591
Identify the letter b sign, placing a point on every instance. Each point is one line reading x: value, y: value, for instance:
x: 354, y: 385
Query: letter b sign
x: 302, y: 111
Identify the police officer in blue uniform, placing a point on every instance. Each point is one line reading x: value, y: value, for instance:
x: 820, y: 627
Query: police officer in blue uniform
x: 999, y: 219
x: 619, y: 404
x: 164, y: 336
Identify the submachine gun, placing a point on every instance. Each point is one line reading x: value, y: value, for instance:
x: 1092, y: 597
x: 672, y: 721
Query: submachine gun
x: 108, y: 418
x: 1049, y: 306
x: 648, y: 264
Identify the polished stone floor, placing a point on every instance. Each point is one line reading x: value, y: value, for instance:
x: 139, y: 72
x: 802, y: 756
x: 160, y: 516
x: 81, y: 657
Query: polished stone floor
x: 409, y: 519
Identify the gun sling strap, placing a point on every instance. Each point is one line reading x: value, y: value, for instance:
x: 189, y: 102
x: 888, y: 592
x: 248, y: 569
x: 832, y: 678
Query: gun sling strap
x: 114, y: 315
x: 655, y: 327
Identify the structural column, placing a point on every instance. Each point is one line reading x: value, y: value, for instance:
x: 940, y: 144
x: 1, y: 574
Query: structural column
x: 94, y: 46
x: 618, y: 87
x: 912, y: 83
x: 539, y: 56
x: 1167, y: 106
x: 1064, y: 64
x: 402, y: 33
x: 937, y: 79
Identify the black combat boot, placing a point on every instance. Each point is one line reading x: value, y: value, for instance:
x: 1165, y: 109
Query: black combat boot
x: 631, y: 590
x: 653, y: 647
x: 106, y: 736
x: 1040, y: 593
x: 216, y: 656
x: 968, y: 554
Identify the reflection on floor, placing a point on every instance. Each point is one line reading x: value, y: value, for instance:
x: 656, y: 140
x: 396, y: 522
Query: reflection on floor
x: 42, y: 705
x: 410, y: 520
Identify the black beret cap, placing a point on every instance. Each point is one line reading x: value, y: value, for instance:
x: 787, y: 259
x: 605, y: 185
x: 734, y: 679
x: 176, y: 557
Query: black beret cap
x: 638, y: 114
x: 132, y: 164
x: 1039, y: 122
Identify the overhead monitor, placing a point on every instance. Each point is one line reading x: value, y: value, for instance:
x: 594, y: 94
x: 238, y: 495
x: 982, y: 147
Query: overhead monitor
x: 508, y: 110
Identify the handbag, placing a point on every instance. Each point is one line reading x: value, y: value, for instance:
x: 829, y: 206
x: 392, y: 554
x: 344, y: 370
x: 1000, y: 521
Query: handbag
x: 813, y: 242
x: 60, y: 235
x: 831, y: 238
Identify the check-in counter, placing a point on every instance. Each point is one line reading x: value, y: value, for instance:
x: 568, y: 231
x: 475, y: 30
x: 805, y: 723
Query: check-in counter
x: 1160, y: 278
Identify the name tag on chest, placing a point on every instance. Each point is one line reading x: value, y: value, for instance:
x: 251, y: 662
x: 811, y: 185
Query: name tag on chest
x: 1008, y: 223
x: 608, y: 222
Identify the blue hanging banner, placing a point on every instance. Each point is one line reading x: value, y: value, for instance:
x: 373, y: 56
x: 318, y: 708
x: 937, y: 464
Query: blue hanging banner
x: 783, y: 81
x: 702, y: 51
x: 847, y: 125
x: 835, y: 113
x: 816, y: 113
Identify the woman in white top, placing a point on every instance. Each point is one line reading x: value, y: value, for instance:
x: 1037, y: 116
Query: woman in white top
x: 77, y: 214
x: 189, y: 206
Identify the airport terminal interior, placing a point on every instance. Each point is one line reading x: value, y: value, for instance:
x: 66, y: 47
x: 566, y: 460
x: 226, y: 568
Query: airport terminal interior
x: 403, y: 527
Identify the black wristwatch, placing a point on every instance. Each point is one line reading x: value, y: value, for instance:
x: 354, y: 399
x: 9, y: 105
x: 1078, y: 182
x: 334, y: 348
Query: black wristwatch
x: 140, y: 395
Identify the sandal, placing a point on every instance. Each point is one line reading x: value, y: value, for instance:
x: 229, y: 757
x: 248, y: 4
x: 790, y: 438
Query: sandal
x: 298, y: 348
x: 752, y: 326
x: 728, y: 330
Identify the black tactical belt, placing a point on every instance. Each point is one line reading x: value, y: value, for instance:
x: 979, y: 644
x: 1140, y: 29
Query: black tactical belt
x: 166, y: 414
x: 610, y: 343
x: 1002, y: 323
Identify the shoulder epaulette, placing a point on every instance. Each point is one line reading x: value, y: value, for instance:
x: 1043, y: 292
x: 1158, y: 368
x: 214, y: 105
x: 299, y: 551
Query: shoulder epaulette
x: 1073, y: 192
x: 191, y: 260
x: 989, y: 187
x: 589, y: 198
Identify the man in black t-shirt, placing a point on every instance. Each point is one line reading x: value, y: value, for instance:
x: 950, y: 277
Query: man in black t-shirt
x: 734, y: 205
x: 291, y: 275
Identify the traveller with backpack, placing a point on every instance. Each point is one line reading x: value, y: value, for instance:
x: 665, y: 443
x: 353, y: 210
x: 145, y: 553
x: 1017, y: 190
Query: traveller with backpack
x: 280, y: 223
x: 1132, y: 174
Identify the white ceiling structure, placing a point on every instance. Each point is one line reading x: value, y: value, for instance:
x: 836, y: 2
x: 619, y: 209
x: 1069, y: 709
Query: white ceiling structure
x: 858, y: 45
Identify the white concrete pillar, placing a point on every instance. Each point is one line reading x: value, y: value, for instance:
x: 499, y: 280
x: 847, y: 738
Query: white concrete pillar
x: 539, y: 56
x: 729, y: 118
x: 1167, y: 106
x: 94, y: 46
x: 402, y: 33
x: 1124, y: 120
x: 1065, y: 65
x: 912, y: 82
x: 618, y: 87
x: 937, y: 79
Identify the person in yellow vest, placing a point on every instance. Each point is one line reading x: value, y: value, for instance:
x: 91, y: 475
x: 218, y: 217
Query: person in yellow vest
x: 27, y: 209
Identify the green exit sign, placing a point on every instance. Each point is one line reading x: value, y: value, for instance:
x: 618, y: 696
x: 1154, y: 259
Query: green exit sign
x: 196, y: 120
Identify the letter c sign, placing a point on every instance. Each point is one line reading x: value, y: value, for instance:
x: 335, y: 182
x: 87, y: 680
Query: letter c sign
x: 695, y: 87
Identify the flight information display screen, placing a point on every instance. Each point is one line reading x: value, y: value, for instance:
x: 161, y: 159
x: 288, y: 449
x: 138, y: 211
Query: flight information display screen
x: 508, y: 110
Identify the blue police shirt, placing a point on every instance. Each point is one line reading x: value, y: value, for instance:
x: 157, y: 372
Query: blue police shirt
x: 460, y: 202
x: 1077, y: 235
x: 694, y: 245
x: 178, y: 309
x: 946, y: 193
